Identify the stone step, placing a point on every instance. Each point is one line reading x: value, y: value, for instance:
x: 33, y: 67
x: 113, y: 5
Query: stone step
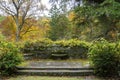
x: 28, y: 55
x: 56, y: 72
x: 59, y: 55
x: 54, y: 68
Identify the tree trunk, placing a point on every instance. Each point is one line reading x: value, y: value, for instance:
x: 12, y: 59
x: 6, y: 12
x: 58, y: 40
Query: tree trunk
x: 17, y: 34
x: 17, y: 31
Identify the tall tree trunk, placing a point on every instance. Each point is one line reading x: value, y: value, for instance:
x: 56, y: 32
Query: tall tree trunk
x: 17, y: 34
x: 17, y: 31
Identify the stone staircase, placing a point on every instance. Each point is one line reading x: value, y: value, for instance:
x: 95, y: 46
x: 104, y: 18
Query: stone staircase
x: 55, y: 68
x: 55, y: 71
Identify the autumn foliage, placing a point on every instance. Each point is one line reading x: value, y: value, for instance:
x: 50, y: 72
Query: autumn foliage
x: 32, y: 28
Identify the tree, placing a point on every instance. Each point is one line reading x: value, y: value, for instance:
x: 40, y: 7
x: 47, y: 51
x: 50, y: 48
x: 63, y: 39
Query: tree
x: 8, y: 28
x: 29, y: 31
x: 103, y: 12
x: 59, y: 23
x: 21, y: 11
x: 44, y: 25
x: 59, y: 27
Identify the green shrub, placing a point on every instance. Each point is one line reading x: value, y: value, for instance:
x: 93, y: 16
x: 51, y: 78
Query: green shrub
x: 2, y: 38
x: 9, y: 57
x: 74, y: 48
x: 73, y: 43
x: 38, y: 45
x: 105, y: 57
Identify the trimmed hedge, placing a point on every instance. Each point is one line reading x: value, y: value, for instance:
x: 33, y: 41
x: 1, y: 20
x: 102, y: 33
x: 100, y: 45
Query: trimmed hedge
x: 105, y: 57
x: 45, y: 48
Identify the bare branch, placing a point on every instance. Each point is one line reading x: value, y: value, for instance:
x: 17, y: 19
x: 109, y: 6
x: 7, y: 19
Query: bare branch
x: 21, y: 10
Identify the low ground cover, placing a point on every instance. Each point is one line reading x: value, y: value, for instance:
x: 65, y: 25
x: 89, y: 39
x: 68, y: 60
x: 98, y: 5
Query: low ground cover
x: 58, y: 78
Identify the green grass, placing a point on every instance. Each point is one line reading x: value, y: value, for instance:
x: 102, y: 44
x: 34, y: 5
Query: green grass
x: 25, y: 63
x: 51, y: 78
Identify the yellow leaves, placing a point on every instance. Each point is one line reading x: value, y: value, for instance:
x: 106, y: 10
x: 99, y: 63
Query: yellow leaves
x: 45, y: 20
x: 44, y: 23
x: 38, y: 31
x: 71, y: 16
x: 35, y: 32
x: 32, y: 29
x: 8, y: 28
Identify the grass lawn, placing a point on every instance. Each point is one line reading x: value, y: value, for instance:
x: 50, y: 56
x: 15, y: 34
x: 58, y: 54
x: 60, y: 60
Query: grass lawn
x: 51, y: 78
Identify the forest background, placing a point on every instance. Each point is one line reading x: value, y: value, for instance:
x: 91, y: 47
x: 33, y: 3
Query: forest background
x: 67, y: 19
